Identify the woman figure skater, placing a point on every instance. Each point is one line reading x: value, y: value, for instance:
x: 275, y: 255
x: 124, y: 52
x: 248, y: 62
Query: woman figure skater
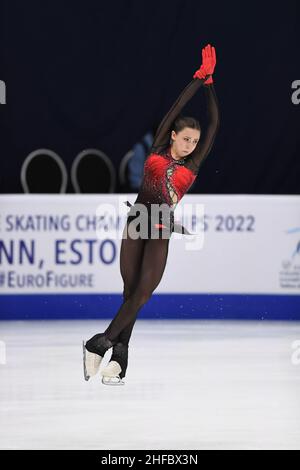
x: 170, y: 169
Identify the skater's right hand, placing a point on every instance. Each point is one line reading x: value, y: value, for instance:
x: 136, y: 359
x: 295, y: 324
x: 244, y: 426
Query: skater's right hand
x: 208, y: 64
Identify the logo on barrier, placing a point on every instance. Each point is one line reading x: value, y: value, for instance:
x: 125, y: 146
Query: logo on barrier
x: 290, y: 272
x: 2, y: 353
x: 2, y: 92
x: 297, y: 250
x: 295, y: 359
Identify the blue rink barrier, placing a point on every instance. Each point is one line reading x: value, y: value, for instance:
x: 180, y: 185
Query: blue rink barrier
x: 160, y: 306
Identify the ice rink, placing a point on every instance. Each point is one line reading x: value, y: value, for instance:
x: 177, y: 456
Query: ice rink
x: 189, y: 385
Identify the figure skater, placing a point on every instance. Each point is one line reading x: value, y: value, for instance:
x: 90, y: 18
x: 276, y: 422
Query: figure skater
x: 170, y: 169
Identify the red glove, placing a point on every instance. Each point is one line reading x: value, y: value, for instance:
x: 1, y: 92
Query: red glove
x: 208, y: 64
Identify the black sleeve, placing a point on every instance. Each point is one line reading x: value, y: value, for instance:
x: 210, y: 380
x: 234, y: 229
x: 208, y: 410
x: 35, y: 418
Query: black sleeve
x: 162, y: 136
x: 207, y: 139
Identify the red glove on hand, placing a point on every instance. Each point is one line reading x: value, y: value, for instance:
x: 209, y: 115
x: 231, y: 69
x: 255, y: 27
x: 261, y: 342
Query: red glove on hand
x: 208, y: 64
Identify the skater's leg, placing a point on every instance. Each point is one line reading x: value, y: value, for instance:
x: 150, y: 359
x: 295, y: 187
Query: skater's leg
x: 125, y: 334
x: 130, y: 265
x: 153, y: 265
x: 130, y: 260
x: 131, y: 257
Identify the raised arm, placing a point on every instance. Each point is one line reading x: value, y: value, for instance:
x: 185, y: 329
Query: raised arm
x: 207, y: 139
x: 162, y: 136
x: 203, y: 76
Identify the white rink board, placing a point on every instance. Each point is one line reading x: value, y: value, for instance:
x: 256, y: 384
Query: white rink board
x: 244, y: 244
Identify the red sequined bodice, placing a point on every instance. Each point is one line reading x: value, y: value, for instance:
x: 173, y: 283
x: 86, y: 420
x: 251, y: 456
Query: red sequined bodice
x: 165, y: 180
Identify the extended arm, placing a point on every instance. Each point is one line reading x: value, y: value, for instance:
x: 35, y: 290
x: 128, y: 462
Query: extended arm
x: 203, y: 76
x: 162, y: 136
x: 207, y: 140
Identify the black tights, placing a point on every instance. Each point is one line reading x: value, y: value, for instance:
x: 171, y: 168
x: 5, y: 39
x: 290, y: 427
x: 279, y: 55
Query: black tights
x: 142, y: 264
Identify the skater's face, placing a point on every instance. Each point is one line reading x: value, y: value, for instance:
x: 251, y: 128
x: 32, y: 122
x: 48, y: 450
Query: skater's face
x: 185, y: 141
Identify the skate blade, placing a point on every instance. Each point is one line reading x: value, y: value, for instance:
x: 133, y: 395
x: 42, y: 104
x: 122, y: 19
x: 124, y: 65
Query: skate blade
x: 110, y: 374
x: 91, y: 363
x: 112, y: 381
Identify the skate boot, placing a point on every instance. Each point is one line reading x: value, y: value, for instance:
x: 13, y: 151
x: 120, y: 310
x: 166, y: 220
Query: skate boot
x: 115, y: 370
x: 93, y: 352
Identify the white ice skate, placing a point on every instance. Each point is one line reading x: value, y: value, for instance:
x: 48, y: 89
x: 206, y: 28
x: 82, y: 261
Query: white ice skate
x: 110, y: 374
x: 91, y: 362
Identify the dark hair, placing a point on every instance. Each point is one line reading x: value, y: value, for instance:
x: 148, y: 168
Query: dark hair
x: 185, y: 121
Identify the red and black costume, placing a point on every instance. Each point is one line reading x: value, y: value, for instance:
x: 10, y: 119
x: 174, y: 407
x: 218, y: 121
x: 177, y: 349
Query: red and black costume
x: 166, y: 179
